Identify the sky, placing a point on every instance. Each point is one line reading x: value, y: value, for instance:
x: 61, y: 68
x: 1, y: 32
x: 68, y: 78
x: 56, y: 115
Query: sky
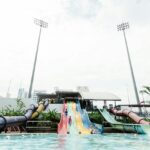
x: 80, y: 47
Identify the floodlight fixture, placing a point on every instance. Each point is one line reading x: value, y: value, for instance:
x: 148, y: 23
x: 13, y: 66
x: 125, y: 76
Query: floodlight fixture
x: 42, y: 24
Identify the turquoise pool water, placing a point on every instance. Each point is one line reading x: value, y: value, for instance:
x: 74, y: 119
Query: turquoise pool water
x: 74, y: 142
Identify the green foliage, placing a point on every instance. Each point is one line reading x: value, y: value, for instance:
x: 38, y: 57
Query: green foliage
x: 49, y: 116
x: 10, y: 111
x: 125, y: 119
x: 147, y: 119
x: 146, y: 90
x: 96, y: 117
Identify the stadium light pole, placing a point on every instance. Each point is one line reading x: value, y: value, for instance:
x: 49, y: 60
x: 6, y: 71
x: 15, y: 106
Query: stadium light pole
x: 42, y: 24
x: 123, y: 27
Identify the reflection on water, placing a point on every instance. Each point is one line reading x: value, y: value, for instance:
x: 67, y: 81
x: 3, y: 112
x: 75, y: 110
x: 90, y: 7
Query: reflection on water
x: 74, y: 142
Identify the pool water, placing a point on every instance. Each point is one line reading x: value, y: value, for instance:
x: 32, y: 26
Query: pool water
x: 74, y: 142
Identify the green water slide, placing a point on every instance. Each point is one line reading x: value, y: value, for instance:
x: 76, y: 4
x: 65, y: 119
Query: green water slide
x: 71, y: 128
x: 125, y: 127
x: 108, y: 117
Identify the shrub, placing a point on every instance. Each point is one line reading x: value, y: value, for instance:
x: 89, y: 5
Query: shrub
x: 50, y: 116
x: 10, y: 111
x: 96, y: 117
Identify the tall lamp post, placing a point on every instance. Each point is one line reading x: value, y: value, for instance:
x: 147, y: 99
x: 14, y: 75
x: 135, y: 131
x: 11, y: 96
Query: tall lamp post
x: 42, y: 24
x: 123, y: 27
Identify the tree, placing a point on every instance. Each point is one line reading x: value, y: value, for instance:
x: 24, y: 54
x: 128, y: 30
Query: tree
x: 146, y: 90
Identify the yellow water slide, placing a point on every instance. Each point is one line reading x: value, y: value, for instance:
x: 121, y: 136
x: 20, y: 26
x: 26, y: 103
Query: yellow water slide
x: 78, y: 120
x: 40, y: 108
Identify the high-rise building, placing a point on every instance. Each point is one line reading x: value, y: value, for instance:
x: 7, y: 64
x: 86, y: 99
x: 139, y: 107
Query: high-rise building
x: 34, y: 96
x: 83, y: 89
x: 22, y: 93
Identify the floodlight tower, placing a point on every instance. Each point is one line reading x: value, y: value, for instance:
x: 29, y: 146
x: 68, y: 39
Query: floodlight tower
x: 42, y: 24
x: 123, y: 27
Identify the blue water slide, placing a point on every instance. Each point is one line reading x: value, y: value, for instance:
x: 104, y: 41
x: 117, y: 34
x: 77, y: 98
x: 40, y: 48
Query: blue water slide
x: 85, y: 118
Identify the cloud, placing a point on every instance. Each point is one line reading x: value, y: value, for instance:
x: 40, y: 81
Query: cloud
x: 75, y: 50
x: 83, y: 8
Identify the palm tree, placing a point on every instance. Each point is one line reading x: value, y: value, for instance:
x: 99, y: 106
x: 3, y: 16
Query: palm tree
x: 146, y: 90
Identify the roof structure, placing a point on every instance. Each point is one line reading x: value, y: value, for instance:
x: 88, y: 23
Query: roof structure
x: 45, y: 95
x: 69, y: 94
x: 99, y: 96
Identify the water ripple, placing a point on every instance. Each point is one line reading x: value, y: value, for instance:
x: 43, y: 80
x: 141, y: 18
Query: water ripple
x: 74, y: 142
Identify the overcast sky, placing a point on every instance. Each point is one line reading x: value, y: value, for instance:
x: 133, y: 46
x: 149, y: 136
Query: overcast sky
x: 80, y: 47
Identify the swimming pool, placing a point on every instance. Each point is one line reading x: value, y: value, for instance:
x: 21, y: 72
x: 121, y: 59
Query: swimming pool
x: 74, y: 142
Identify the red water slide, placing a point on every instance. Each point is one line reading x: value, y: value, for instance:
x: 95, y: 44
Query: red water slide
x: 62, y: 126
x: 130, y: 114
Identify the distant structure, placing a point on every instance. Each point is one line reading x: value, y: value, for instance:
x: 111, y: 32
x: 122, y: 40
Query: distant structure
x: 83, y: 89
x: 56, y: 88
x: 35, y: 97
x: 1, y: 96
x: 8, y: 90
x: 22, y: 93
x: 8, y: 95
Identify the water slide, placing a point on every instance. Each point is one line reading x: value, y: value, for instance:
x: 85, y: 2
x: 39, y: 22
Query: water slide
x: 7, y: 121
x: 77, y: 125
x: 62, y: 126
x: 135, y: 128
x: 86, y: 121
x: 131, y: 115
x: 72, y: 129
x: 78, y: 121
x: 42, y: 106
x: 84, y: 117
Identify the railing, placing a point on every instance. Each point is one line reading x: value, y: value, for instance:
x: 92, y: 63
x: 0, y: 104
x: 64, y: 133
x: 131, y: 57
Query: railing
x: 41, y: 126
